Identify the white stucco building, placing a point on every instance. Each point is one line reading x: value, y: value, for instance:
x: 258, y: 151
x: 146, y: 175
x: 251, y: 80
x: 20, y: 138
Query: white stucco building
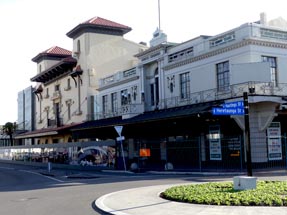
x: 170, y: 98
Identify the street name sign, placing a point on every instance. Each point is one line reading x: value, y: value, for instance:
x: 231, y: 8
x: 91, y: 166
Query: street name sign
x: 230, y: 108
x: 237, y: 104
x: 227, y: 111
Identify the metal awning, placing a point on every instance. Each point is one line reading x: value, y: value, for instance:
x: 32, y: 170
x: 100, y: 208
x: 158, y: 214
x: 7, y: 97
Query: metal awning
x: 170, y: 113
x: 45, y: 132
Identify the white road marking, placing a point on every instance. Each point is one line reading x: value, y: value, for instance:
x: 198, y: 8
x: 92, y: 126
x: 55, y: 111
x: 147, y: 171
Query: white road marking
x: 9, y: 168
x: 36, y: 173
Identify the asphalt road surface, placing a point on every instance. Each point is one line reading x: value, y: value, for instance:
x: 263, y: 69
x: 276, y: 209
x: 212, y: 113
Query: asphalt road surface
x: 26, y: 191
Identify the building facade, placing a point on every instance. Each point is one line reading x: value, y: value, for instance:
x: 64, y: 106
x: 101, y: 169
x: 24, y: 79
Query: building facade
x: 26, y: 105
x: 181, y: 118
x: 180, y: 105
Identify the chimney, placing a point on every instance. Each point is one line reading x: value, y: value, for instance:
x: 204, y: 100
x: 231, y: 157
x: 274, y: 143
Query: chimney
x: 263, y: 19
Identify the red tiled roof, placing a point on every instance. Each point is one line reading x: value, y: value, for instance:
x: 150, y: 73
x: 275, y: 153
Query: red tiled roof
x: 57, y: 50
x: 104, y: 22
x: 99, y: 25
x: 54, y: 51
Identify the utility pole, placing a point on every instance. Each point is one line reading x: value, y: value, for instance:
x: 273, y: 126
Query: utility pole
x: 247, y: 134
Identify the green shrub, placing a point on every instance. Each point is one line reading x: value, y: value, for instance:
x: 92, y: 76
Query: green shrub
x: 267, y: 193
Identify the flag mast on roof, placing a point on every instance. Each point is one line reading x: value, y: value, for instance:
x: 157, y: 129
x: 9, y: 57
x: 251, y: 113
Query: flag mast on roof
x: 158, y: 36
x: 159, y: 14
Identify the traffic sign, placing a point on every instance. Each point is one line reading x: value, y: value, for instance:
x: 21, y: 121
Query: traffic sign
x: 227, y: 111
x: 120, y: 138
x: 237, y: 104
x: 119, y: 129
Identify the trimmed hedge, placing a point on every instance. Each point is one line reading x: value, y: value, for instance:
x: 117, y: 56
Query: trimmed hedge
x: 267, y: 193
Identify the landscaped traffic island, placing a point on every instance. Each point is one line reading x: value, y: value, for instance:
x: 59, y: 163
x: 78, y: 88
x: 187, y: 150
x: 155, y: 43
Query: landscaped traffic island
x: 267, y: 193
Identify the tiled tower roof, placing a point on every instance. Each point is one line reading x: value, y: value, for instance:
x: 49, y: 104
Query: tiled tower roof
x: 53, y: 52
x: 99, y: 25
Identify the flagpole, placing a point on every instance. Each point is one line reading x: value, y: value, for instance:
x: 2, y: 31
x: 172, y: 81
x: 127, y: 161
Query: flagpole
x: 159, y: 14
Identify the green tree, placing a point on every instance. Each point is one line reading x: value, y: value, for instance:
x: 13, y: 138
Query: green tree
x: 9, y: 129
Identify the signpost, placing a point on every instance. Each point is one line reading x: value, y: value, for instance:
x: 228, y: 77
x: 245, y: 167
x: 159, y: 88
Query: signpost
x: 247, y: 134
x: 121, y: 138
x: 230, y: 108
x: 239, y: 108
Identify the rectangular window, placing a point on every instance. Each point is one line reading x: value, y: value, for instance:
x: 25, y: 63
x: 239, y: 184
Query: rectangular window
x: 105, y: 103
x: 69, y: 111
x: 223, y: 79
x: 124, y: 97
x: 68, y: 87
x: 152, y: 94
x: 156, y: 90
x: 184, y: 85
x: 273, y: 68
x: 114, y: 102
x: 47, y: 93
x: 57, y: 87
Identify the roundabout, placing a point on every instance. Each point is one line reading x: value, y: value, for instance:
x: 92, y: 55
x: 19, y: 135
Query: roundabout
x: 147, y: 200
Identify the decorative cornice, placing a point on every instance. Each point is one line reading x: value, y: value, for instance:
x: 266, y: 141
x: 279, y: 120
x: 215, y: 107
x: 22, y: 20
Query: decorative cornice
x: 226, y: 49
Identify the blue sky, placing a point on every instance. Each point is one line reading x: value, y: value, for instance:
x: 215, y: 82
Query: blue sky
x: 32, y: 26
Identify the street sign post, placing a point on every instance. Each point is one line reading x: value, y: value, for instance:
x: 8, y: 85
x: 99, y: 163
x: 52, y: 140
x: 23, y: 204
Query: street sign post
x: 237, y: 104
x: 121, y: 138
x: 230, y: 108
x: 227, y: 111
x: 239, y: 108
x: 247, y: 134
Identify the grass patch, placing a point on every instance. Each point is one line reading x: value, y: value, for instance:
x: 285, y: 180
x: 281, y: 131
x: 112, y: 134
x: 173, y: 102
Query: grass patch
x: 267, y: 193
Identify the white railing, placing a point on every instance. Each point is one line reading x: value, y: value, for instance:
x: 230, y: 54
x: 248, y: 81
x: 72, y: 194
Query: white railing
x: 234, y: 91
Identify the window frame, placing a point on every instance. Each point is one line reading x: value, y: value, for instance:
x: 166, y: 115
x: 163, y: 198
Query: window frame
x: 223, y: 76
x: 114, y: 102
x: 104, y: 104
x: 273, y: 67
x: 184, y: 84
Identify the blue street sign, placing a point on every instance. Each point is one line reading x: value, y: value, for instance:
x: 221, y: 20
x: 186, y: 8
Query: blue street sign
x: 237, y: 104
x: 227, y: 111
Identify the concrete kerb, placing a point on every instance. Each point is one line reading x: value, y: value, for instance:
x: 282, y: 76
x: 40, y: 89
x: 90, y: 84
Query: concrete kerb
x: 100, y: 205
x: 147, y: 200
x: 196, y: 173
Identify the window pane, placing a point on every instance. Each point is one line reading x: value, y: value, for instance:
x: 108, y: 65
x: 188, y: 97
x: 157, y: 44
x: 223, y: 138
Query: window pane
x: 222, y: 70
x: 184, y: 85
x: 273, y: 68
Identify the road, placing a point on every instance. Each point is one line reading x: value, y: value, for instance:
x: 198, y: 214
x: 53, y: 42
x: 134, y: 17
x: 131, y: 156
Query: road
x: 25, y: 191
